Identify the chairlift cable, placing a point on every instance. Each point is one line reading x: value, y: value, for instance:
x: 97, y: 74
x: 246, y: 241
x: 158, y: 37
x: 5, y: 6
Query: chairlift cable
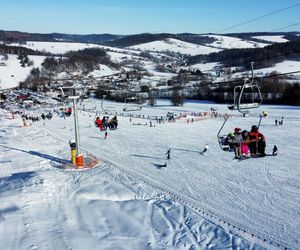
x: 287, y: 26
x: 258, y: 18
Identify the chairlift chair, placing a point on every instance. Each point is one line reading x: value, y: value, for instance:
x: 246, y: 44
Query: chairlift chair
x: 222, y: 138
x: 105, y: 110
x: 133, y: 103
x: 239, y: 93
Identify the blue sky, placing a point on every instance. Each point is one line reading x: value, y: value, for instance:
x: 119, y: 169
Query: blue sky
x: 141, y: 16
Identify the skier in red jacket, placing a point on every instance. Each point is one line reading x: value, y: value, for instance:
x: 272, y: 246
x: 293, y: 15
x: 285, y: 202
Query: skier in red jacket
x: 257, y: 143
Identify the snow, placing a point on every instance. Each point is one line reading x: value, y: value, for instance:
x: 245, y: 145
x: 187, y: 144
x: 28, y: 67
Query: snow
x: 13, y: 73
x: 62, y: 47
x: 129, y: 202
x: 174, y: 45
x: 103, y: 71
x: 227, y: 42
x: 120, y: 57
x: 273, y: 39
x: 204, y: 67
x: 283, y: 67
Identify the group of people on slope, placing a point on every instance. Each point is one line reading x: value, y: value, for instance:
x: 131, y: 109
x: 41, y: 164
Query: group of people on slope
x: 48, y: 116
x: 105, y: 123
x: 243, y: 141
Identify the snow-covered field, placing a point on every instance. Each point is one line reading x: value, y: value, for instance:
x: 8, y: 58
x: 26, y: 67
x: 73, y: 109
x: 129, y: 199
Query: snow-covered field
x: 174, y: 45
x: 204, y: 67
x: 12, y: 73
x: 273, y: 39
x: 129, y: 201
x: 227, y: 42
x: 283, y: 67
x: 62, y: 47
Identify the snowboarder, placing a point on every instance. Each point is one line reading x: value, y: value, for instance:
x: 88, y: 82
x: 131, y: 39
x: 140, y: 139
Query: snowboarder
x: 206, y: 147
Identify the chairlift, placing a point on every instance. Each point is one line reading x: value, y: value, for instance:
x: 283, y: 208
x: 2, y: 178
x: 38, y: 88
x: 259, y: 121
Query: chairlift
x: 73, y: 91
x: 133, y: 103
x: 240, y: 92
x: 222, y: 138
x: 105, y: 110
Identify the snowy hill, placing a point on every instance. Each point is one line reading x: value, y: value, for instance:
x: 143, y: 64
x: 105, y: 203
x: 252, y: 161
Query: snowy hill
x: 174, y: 45
x: 12, y: 73
x: 131, y: 202
x: 61, y: 47
x: 227, y: 42
x: 273, y: 39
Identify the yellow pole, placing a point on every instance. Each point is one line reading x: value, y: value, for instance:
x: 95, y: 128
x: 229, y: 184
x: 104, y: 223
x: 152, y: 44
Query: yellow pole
x: 73, y: 154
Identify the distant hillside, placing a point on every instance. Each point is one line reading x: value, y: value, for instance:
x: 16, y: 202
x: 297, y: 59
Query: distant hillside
x: 132, y: 40
x: 91, y: 38
x: 263, y: 57
x: 171, y: 45
x: 204, y: 39
x: 249, y: 35
x: 16, y: 36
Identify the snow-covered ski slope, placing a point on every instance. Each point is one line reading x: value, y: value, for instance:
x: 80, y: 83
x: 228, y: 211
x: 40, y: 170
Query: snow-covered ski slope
x: 130, y: 202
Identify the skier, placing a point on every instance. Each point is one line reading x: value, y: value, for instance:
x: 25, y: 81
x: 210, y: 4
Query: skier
x: 230, y: 140
x: 261, y: 145
x: 98, y: 122
x: 281, y: 123
x: 245, y: 142
x: 168, y: 154
x: 206, y: 147
x: 257, y: 143
x: 105, y: 135
x: 276, y: 121
x: 168, y: 157
x: 238, y: 139
x: 275, y: 150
